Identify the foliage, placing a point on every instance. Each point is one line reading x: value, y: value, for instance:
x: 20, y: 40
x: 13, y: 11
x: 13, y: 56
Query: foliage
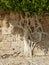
x: 32, y: 6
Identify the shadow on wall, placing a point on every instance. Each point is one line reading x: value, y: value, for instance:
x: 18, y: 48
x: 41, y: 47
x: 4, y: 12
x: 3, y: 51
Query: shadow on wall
x: 44, y: 44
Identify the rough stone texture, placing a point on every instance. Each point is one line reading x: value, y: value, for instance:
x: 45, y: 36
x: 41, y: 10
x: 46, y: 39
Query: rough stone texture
x: 12, y: 46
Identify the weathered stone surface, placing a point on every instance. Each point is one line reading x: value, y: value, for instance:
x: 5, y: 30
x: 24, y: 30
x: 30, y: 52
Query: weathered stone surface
x: 12, y: 43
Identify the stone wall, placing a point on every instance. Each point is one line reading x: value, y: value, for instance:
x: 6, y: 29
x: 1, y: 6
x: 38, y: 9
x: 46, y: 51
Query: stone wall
x: 10, y: 43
